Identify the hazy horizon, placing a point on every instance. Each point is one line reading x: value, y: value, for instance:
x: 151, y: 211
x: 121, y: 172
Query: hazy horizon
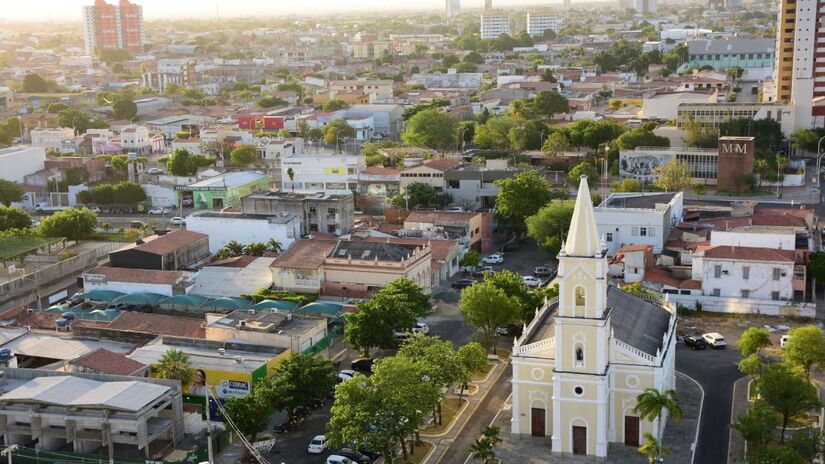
x: 70, y: 10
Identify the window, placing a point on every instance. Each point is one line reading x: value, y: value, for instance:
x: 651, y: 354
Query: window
x: 453, y: 184
x: 746, y: 293
x: 643, y: 231
x: 331, y: 228
x: 775, y: 296
x: 634, y: 231
x: 746, y: 272
x: 313, y: 210
x: 580, y: 299
x: 608, y: 236
x: 579, y: 361
x: 716, y: 292
x: 352, y: 171
x: 776, y: 273
x: 717, y: 271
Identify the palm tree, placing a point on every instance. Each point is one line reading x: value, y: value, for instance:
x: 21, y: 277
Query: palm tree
x: 651, y: 404
x: 175, y: 365
x: 233, y: 248
x: 653, y: 448
x: 291, y: 174
x: 482, y: 450
x: 255, y: 249
x: 760, y: 166
x: 274, y: 246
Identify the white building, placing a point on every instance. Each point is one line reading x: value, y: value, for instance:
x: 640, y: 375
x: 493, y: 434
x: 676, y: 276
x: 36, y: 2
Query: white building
x: 452, y: 8
x: 540, y: 20
x: 135, y: 139
x: 494, y: 23
x: 586, y: 356
x: 19, y: 161
x: 638, y: 219
x: 125, y: 280
x: 224, y: 227
x: 321, y: 172
x: 51, y: 139
x: 807, y: 81
x: 746, y: 272
x: 275, y: 149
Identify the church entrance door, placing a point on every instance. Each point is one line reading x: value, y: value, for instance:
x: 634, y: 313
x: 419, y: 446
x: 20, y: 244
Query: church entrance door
x: 537, y: 416
x: 631, y: 431
x: 579, y: 440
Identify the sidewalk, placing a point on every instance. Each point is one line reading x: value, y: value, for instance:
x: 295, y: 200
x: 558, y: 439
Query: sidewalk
x: 443, y: 442
x: 736, y: 444
x: 679, y: 438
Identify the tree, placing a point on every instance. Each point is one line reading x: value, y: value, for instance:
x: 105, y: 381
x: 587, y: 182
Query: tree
x: 10, y: 192
x: 583, y: 169
x: 787, y: 392
x: 486, y: 307
x: 673, y: 176
x: 14, y: 218
x: 807, y: 139
x: 495, y: 133
x: 471, y: 259
x: 127, y: 193
x: 73, y: 224
x: 301, y: 379
x: 333, y: 105
x: 527, y: 136
x: 273, y: 246
x: 592, y: 134
x: 422, y: 195
x: 244, y: 155
x: 473, y: 57
x: 640, y: 138
x: 652, y: 404
x: 269, y: 102
x: 521, y: 196
x: 483, y: 449
x: 113, y: 55
x: 57, y: 107
x: 336, y: 130
x: 124, y: 109
x: 549, y: 103
x: 80, y: 121
x: 753, y: 340
x: 255, y: 249
x: 472, y: 359
x: 175, y: 365
x: 34, y: 83
x: 549, y: 226
x: 653, y: 448
x: 770, y: 455
x: 439, y: 361
x: 396, y: 307
x: 183, y: 163
x: 698, y: 135
x: 431, y: 128
x: 555, y: 144
x: 249, y: 413
x: 628, y: 185
x: 805, y: 347
x: 512, y: 284
x: 756, y: 425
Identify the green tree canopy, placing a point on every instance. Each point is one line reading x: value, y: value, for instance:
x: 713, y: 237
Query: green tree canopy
x: 72, y: 223
x: 244, y: 155
x: 787, y: 392
x: 756, y: 425
x: 270, y: 101
x: 183, y: 163
x: 337, y: 130
x: 673, y: 176
x: 549, y: 226
x: 14, y: 218
x: 175, y: 365
x: 80, y: 121
x: 299, y: 380
x: 494, y: 133
x: 584, y: 169
x: 333, y: 105
x: 805, y: 347
x: 34, y: 83
x: 512, y: 284
x: 124, y: 108
x: 753, y: 340
x: 10, y: 192
x: 485, y: 307
x: 57, y: 107
x: 431, y: 128
x: 521, y: 196
x: 422, y: 195
x: 640, y: 138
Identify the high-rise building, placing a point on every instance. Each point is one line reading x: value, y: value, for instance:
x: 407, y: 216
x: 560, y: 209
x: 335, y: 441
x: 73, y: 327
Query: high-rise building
x: 113, y: 26
x: 800, y: 68
x: 488, y: 4
x: 494, y: 23
x: 541, y: 19
x: 453, y: 8
x: 644, y: 6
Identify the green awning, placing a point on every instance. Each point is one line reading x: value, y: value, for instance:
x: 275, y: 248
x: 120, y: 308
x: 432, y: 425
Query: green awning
x: 228, y: 303
x: 193, y: 301
x: 100, y: 295
x: 140, y: 298
x: 100, y: 315
x: 323, y: 308
x: 276, y: 304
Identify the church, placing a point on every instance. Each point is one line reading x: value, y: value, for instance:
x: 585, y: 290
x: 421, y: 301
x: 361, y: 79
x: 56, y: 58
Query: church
x: 582, y: 361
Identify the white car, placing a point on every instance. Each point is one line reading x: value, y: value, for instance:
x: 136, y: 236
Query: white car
x: 454, y: 209
x: 421, y: 327
x: 154, y: 171
x: 93, y: 209
x: 177, y: 221
x: 495, y: 258
x: 346, y: 374
x: 714, y: 340
x: 317, y: 445
x: 335, y: 459
x: 158, y: 210
x: 531, y: 281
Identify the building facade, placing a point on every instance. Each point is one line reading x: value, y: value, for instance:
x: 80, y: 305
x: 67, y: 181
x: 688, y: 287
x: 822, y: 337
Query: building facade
x: 452, y: 8
x: 319, y: 212
x: 222, y: 227
x: 638, y: 219
x: 118, y: 26
x: 580, y: 364
x: 494, y: 23
x: 540, y: 20
x: 51, y: 139
x: 754, y: 56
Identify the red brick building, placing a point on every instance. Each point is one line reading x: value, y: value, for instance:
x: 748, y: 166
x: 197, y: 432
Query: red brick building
x: 113, y: 26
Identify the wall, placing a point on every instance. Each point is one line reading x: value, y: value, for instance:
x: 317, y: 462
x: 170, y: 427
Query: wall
x: 224, y: 229
x: 759, y: 283
x: 25, y: 288
x: 424, y: 175
x: 130, y: 287
x: 621, y: 222
x: 297, y: 280
x: 18, y: 162
x: 784, y: 241
x: 735, y: 161
x: 328, y: 173
x: 746, y: 306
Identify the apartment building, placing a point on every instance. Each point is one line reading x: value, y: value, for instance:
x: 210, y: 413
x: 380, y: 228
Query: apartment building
x: 51, y: 139
x: 540, y: 20
x: 626, y: 219
x: 644, y: 6
x: 321, y: 172
x: 494, y: 23
x: 135, y: 139
x: 113, y: 26
x: 382, y: 88
x: 452, y: 8
x: 319, y: 212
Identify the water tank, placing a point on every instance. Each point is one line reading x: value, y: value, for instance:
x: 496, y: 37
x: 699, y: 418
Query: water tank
x: 62, y: 324
x: 5, y: 354
x: 68, y: 316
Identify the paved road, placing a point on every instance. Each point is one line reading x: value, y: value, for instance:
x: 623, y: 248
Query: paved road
x: 716, y: 371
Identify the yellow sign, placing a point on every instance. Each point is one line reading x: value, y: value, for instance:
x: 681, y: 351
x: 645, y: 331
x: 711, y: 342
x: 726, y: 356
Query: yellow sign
x: 336, y: 171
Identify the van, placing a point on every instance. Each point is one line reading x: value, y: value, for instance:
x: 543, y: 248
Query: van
x: 715, y: 340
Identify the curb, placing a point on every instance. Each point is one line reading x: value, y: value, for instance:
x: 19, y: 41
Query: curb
x: 699, y: 421
x: 730, y: 459
x: 457, y: 415
x: 481, y: 400
x: 431, y: 451
x: 489, y: 373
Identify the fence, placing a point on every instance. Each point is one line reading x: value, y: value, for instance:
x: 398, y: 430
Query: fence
x: 745, y: 306
x: 27, y: 285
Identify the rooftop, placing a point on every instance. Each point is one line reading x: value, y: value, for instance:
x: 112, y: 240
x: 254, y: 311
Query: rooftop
x: 62, y: 348
x: 380, y: 251
x: 207, y: 356
x: 638, y: 200
x: 165, y: 244
x: 270, y: 321
x: 441, y: 217
x: 305, y: 254
x: 108, y: 362
x: 750, y: 254
x: 731, y: 46
x: 298, y: 196
x: 143, y: 276
x: 79, y: 392
x: 229, y: 180
x: 283, y: 218
x: 158, y: 324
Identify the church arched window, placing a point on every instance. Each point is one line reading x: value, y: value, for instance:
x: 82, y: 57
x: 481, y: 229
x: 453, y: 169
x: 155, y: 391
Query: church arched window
x: 580, y: 298
x: 579, y: 355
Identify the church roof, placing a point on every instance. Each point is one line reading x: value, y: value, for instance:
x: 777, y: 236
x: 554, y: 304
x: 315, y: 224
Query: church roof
x: 583, y: 236
x: 637, y: 322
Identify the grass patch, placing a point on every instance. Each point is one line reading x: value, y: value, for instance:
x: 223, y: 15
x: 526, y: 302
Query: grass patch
x: 11, y: 247
x: 479, y: 376
x: 421, y: 451
x: 125, y: 236
x: 449, y: 410
x: 802, y: 420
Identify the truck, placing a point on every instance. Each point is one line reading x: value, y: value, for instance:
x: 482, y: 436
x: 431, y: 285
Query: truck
x: 44, y: 207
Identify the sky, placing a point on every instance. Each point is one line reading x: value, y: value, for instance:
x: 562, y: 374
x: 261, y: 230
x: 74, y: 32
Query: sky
x: 36, y: 10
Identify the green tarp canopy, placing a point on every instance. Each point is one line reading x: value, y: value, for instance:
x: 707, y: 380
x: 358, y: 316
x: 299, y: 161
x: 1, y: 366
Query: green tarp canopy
x: 140, y: 298
x: 276, y: 304
x: 228, y: 303
x: 100, y: 315
x: 322, y: 308
x: 100, y: 295
x: 193, y: 301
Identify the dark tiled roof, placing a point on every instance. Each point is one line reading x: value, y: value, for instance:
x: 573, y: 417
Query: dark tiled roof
x: 158, y: 324
x: 168, y: 243
x: 749, y: 253
x: 637, y: 322
x: 371, y: 250
x: 108, y: 362
x: 304, y: 254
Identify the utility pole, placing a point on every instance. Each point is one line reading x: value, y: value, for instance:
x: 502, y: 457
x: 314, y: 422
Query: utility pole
x: 209, y: 452
x: 8, y: 451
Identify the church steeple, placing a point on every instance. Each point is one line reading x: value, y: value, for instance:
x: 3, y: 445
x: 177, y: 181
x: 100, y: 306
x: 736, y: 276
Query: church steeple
x: 583, y: 236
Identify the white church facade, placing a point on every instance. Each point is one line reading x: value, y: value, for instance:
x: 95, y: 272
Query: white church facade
x: 580, y: 364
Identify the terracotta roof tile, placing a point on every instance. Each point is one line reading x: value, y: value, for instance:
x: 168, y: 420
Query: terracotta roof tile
x: 108, y: 362
x: 165, y: 244
x: 144, y: 276
x: 443, y: 164
x: 305, y: 254
x: 158, y: 324
x: 749, y: 253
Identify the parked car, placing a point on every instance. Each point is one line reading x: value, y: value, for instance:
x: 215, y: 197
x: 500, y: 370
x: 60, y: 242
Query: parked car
x: 531, y: 281
x: 158, y: 210
x: 421, y: 327
x: 511, y: 330
x: 695, y: 342
x: 317, y: 445
x: 337, y: 459
x: 543, y: 271
x: 154, y: 171
x: 187, y: 201
x: 345, y: 374
x: 463, y: 283
x: 354, y: 455
x: 454, y: 209
x: 363, y: 365
x: 495, y: 258
x: 714, y: 340
x: 177, y: 221
x: 784, y: 340
x: 93, y: 209
x: 137, y: 224
x: 479, y: 272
